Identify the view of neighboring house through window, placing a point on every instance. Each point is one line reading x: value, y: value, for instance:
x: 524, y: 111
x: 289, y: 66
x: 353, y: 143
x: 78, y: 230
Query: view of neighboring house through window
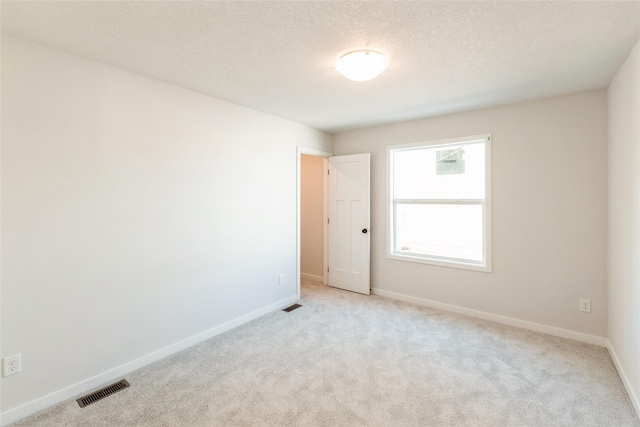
x: 440, y: 208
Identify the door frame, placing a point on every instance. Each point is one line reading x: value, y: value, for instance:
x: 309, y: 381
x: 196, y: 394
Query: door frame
x: 317, y: 153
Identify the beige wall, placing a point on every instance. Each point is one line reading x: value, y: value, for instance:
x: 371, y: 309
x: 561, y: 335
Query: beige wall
x: 135, y: 216
x: 312, y: 217
x: 624, y: 222
x: 549, y: 212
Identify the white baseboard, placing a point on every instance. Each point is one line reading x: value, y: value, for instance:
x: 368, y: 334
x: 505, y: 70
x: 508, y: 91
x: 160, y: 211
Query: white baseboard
x: 625, y: 380
x: 44, y: 402
x: 550, y: 330
x: 312, y: 277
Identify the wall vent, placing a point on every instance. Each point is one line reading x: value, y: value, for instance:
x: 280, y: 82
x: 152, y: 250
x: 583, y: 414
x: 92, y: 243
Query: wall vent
x: 291, y: 308
x: 102, y: 393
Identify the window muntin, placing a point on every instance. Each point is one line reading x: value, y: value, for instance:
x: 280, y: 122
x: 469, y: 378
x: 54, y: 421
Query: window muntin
x: 439, y: 202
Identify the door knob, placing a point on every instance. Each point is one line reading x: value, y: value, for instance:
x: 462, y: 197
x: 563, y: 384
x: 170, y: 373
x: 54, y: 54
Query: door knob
x: 365, y: 231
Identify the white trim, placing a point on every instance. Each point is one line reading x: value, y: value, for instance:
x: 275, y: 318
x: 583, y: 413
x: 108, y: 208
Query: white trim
x: 442, y: 262
x: 15, y: 414
x: 531, y: 326
x: 488, y: 205
x: 325, y: 224
x: 472, y: 139
x: 312, y: 277
x: 625, y: 380
x: 440, y: 201
x: 483, y: 266
x: 311, y: 152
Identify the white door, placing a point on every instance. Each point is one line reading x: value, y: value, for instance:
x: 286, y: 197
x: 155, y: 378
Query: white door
x: 349, y: 222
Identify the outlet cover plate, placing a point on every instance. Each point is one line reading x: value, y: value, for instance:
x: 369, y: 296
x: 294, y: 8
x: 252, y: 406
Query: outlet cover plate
x: 11, y: 365
x: 585, y: 305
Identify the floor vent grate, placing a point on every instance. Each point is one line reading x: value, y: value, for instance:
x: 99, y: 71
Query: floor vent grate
x: 102, y: 393
x: 293, y: 307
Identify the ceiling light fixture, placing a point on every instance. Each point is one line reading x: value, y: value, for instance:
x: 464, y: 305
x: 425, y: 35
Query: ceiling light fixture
x: 361, y: 65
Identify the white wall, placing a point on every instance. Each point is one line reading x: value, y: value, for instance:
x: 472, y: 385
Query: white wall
x: 549, y: 212
x: 624, y: 222
x: 135, y: 214
x: 312, y: 217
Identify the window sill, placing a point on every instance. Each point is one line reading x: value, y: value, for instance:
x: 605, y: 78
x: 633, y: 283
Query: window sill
x: 485, y: 268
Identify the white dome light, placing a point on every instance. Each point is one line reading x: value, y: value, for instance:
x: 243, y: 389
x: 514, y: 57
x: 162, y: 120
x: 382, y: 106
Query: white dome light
x: 361, y: 65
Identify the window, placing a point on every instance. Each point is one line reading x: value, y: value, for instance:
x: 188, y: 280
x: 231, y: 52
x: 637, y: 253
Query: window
x: 440, y: 202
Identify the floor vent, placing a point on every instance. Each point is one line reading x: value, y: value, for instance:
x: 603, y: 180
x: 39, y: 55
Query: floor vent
x: 102, y: 393
x: 293, y: 307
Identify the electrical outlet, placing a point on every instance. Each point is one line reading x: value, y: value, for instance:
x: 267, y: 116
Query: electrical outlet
x: 282, y: 278
x: 11, y: 365
x: 585, y: 305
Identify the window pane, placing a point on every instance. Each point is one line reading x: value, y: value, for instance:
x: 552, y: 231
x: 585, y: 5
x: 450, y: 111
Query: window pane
x: 452, y: 231
x: 444, y: 172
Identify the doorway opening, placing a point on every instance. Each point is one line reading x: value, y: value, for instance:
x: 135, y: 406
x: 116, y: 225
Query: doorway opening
x: 312, y: 250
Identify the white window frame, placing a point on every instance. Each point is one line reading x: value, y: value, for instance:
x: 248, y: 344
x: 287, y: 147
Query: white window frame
x: 485, y: 264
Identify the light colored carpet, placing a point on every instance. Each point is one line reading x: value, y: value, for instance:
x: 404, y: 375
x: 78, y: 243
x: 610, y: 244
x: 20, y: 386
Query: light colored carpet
x: 345, y: 359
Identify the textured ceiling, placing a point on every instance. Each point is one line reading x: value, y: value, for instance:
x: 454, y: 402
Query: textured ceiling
x: 278, y: 57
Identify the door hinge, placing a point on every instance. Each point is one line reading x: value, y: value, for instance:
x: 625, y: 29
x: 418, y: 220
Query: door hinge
x: 328, y: 171
x: 328, y: 221
x: 327, y: 269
